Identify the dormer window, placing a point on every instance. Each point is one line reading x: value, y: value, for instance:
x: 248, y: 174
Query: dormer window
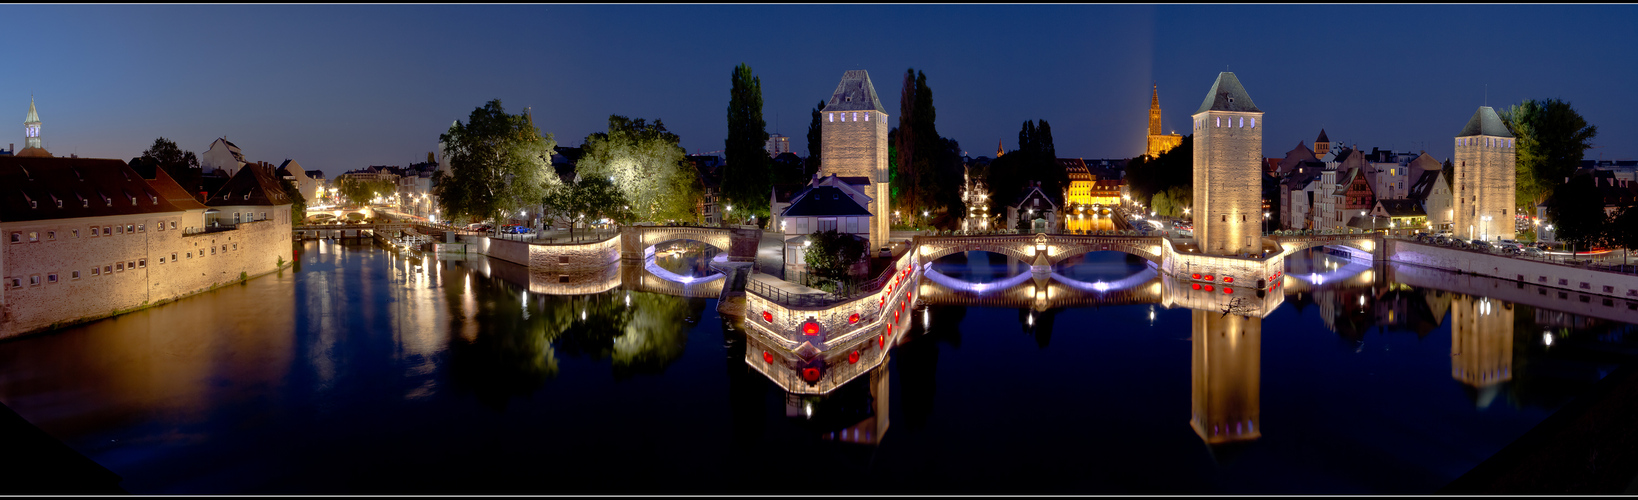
x: 247, y: 196
x: 153, y: 198
x: 133, y: 201
x: 33, y: 204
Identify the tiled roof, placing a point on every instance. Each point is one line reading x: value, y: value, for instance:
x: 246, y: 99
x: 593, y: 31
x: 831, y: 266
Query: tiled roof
x: 855, y: 93
x: 1402, y: 208
x: 1226, y: 94
x: 255, y: 181
x: 86, y: 187
x: 1423, y: 186
x: 824, y: 201
x: 1322, y: 137
x: 1485, y: 121
x: 169, y: 190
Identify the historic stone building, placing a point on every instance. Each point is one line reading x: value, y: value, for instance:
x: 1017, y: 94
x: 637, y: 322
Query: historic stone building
x: 853, y: 143
x: 1484, y: 178
x: 32, y: 146
x: 90, y: 238
x: 1228, y: 162
x: 1159, y: 142
x: 222, y: 156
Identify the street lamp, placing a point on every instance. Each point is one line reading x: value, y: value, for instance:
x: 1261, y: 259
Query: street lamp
x: 1484, y: 229
x: 1265, y: 222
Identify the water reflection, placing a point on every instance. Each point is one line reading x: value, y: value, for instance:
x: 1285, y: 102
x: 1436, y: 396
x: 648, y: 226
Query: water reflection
x: 436, y: 362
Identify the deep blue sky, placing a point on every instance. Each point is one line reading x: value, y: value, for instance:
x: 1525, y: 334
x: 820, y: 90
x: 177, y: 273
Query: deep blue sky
x: 342, y: 87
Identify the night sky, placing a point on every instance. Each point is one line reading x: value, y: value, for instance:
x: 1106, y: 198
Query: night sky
x: 343, y: 87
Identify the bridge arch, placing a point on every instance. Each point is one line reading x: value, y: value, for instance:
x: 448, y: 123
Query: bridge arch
x: 1359, y: 244
x: 738, y: 243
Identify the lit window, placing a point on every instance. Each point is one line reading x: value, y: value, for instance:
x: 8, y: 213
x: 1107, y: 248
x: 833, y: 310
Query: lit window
x: 1253, y: 123
x: 1217, y: 121
x: 1242, y: 122
x: 855, y: 116
x: 33, y: 236
x: 832, y: 116
x: 96, y: 271
x: 34, y: 280
x: 76, y: 233
x: 142, y: 228
x: 867, y: 116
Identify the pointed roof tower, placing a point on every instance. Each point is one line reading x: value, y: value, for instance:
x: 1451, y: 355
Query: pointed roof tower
x: 33, y: 146
x: 1322, y: 138
x: 855, y: 93
x: 1485, y: 121
x: 1227, y: 95
x: 33, y: 116
x: 999, y: 149
x: 1154, y: 111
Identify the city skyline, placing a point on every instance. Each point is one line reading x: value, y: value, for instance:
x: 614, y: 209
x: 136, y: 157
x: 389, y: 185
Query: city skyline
x: 352, y: 86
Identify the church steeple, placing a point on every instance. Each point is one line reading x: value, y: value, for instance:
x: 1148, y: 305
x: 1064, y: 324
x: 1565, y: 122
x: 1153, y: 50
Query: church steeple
x: 31, y: 133
x: 999, y: 149
x: 1154, y: 112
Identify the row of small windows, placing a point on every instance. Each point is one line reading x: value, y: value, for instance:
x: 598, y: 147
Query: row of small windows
x: 110, y: 269
x: 1489, y: 142
x: 34, y: 236
x: 845, y: 116
x: 1219, y: 121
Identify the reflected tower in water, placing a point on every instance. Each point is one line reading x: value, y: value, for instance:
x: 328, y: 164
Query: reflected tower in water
x: 1227, y: 333
x: 1481, y: 344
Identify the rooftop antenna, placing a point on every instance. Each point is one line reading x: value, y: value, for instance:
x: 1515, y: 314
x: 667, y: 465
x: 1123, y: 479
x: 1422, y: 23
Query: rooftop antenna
x: 1487, y: 95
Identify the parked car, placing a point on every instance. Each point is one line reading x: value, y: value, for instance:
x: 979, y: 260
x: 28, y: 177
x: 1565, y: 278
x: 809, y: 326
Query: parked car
x: 1480, y: 245
x: 1532, y: 251
x: 1442, y: 240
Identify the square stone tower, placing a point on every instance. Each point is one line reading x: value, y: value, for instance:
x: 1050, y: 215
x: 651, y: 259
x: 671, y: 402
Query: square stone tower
x: 1228, y: 169
x: 1484, y: 178
x: 853, y: 143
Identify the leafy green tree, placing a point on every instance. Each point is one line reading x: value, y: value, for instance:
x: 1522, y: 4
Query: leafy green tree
x: 1577, y: 213
x: 591, y: 199
x: 745, y: 182
x: 652, y: 172
x: 1172, y: 201
x: 182, y: 166
x: 362, y: 192
x: 1552, y: 139
x: 1035, y: 160
x: 815, y: 139
x: 833, y: 255
x: 499, y: 164
x: 298, y: 203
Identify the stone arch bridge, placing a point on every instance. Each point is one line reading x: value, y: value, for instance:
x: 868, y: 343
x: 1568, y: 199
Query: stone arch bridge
x: 1040, y: 249
x: 740, y: 243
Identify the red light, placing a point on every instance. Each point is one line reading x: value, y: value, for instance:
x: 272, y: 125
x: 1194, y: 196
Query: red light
x: 1196, y: 286
x: 895, y: 316
x: 767, y: 316
x: 767, y: 357
x: 853, y: 319
x: 810, y: 328
x: 1228, y: 290
x: 1228, y: 279
x: 810, y: 374
x: 853, y: 358
x: 889, y: 332
x: 1208, y: 288
x: 1196, y: 275
x: 1208, y: 277
x: 881, y: 340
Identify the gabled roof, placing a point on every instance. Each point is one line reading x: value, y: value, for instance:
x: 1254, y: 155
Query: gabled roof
x: 1401, y: 208
x: 1322, y: 137
x: 1347, y: 180
x: 1226, y: 94
x: 855, y: 93
x: 1423, y: 185
x: 169, y: 190
x: 1076, y: 168
x: 1485, y: 121
x: 252, y: 180
x: 234, y: 149
x: 1035, y: 191
x: 824, y: 201
x: 87, y: 187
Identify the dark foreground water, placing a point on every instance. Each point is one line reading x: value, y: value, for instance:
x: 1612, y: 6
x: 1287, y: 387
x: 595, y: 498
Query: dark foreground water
x: 365, y: 371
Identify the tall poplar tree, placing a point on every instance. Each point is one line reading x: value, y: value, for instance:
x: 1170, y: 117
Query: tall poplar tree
x: 745, y: 182
x: 904, y: 183
x: 815, y: 138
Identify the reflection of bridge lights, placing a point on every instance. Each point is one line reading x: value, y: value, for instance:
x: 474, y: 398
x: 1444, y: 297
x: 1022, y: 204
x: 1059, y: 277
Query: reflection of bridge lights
x: 1362, y: 300
x: 807, y: 409
x: 1547, y: 339
x: 582, y: 315
x: 1101, y: 286
x: 1031, y: 319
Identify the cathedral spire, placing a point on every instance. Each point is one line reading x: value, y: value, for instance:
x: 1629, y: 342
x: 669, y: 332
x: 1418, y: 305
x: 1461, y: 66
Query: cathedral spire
x: 999, y: 149
x: 32, y: 146
x: 1154, y: 112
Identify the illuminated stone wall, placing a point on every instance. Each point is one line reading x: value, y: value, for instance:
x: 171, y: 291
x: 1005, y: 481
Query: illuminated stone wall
x: 1226, y: 372
x: 134, y: 252
x: 1228, y: 190
x: 854, y: 144
x: 1484, y: 185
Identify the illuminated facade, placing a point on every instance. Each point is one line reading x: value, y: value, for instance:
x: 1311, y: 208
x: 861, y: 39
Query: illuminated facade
x: 1228, y: 163
x: 1484, y: 178
x: 32, y: 147
x: 1481, y: 343
x: 1158, y: 142
x: 853, y: 143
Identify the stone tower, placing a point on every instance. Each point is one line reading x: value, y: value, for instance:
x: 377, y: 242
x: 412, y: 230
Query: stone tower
x: 1159, y: 142
x: 853, y: 143
x: 1484, y: 178
x: 1322, y: 145
x: 31, y: 134
x: 1228, y: 158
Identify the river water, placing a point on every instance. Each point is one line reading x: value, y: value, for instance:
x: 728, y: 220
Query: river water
x: 366, y: 371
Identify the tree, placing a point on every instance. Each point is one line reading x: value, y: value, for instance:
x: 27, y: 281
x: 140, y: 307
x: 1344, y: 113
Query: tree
x: 745, y: 181
x: 592, y: 198
x: 1035, y: 160
x: 1577, y: 213
x: 362, y: 192
x: 832, y: 255
x: 1147, y: 177
x: 906, y: 144
x: 1552, y: 139
x: 499, y: 164
x: 644, y: 161
x: 298, y: 203
x: 1624, y: 229
x: 815, y: 138
x: 181, y: 165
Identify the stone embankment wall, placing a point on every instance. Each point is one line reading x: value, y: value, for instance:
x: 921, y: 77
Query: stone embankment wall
x: 1547, y: 274
x: 134, y: 269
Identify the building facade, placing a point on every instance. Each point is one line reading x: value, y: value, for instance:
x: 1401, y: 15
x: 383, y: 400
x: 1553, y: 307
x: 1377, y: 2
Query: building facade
x: 853, y: 143
x: 1228, y: 162
x: 1158, y: 142
x: 1485, y: 158
x: 222, y: 156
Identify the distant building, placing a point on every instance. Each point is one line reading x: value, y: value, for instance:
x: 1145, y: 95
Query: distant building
x: 975, y: 193
x: 828, y: 203
x: 1159, y: 142
x: 222, y: 155
x: 777, y: 145
x: 1035, y: 211
x: 310, y: 188
x: 1485, y: 158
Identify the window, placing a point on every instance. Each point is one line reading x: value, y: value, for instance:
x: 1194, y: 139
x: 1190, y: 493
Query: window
x: 34, y: 280
x: 161, y: 260
x: 236, y: 217
x: 51, y: 278
x: 173, y: 256
x: 142, y: 262
x: 119, y: 266
x: 74, y: 275
x: 1253, y: 123
x: 173, y: 224
x: 1586, y: 286
x: 33, y: 236
x: 16, y: 282
x: 142, y: 228
x: 1563, y: 282
x: 51, y: 236
x: 235, y: 246
x: 832, y: 116
x: 212, y: 251
x: 264, y: 216
x: 1609, y: 289
x: 107, y: 230
x: 1225, y: 217
x: 96, y: 271
x: 190, y: 255
x: 161, y: 226
x: 119, y: 229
